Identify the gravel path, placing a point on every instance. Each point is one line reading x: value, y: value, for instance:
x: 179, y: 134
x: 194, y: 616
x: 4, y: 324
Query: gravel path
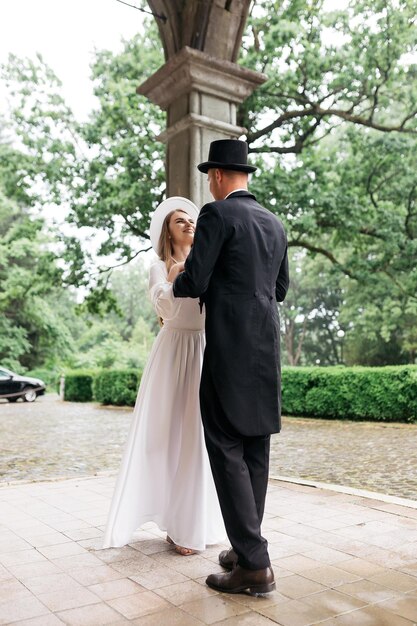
x: 49, y: 439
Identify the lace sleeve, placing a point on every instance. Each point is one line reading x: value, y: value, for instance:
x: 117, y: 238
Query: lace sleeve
x: 161, y: 293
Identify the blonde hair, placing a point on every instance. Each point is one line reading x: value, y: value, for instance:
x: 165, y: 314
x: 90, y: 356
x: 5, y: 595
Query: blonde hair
x: 165, y: 250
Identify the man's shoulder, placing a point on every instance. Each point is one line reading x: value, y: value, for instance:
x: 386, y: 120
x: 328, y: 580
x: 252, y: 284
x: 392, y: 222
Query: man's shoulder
x: 211, y: 209
x: 241, y: 205
x: 230, y: 203
x: 240, y: 201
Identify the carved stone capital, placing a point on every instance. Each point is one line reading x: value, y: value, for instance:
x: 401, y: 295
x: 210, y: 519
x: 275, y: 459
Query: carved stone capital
x: 192, y: 70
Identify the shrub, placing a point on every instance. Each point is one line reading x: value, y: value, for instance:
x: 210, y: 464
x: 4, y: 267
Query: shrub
x: 356, y: 393
x: 79, y: 386
x: 118, y: 387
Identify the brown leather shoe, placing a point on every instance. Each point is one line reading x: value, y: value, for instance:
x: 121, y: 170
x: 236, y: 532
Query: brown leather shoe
x: 240, y: 579
x: 228, y: 559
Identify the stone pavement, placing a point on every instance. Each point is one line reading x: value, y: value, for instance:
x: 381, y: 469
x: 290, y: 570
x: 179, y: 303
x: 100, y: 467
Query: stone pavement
x: 339, y: 560
x: 366, y: 455
x: 50, y: 438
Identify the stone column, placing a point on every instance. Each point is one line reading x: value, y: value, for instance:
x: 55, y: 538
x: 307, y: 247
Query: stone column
x: 200, y: 94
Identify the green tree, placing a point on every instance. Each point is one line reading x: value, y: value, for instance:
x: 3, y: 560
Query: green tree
x: 310, y: 315
x: 324, y: 68
x: 122, y: 338
x: 102, y: 346
x: 123, y: 179
x: 31, y: 331
x: 333, y: 130
x: 107, y: 174
x: 353, y: 66
x: 358, y: 209
x: 43, y: 128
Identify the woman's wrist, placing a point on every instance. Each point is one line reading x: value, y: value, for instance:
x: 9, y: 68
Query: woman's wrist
x: 174, y: 271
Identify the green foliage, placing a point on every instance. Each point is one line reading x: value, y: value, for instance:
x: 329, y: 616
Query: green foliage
x: 129, y: 284
x: 334, y: 133
x: 120, y: 340
x: 118, y: 387
x: 79, y: 386
x: 312, y: 332
x: 347, y: 192
x: 102, y: 345
x: 107, y: 172
x: 123, y: 179
x: 43, y: 126
x: 351, y: 205
x: 50, y: 377
x: 384, y: 394
x: 31, y: 330
x: 353, y: 65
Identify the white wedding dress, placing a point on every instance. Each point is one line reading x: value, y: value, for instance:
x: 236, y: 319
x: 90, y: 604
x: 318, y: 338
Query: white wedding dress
x: 165, y: 476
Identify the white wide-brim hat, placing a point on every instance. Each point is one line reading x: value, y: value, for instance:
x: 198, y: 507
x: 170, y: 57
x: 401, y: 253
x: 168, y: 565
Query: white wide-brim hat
x: 170, y: 204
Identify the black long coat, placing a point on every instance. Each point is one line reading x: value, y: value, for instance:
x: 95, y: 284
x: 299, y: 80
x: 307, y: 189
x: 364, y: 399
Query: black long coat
x: 238, y: 266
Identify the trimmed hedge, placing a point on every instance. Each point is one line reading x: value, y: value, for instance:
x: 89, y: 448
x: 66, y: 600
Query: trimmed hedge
x: 356, y: 393
x: 118, y: 387
x: 79, y: 386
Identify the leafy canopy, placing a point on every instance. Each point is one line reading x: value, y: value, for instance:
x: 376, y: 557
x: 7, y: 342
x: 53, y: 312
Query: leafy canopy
x: 333, y: 131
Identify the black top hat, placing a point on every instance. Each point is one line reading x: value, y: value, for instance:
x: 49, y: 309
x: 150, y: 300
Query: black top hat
x: 227, y: 154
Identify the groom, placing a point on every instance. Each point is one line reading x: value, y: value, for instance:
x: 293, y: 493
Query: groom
x: 238, y: 267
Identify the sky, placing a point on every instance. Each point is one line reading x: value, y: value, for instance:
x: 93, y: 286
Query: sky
x: 66, y: 34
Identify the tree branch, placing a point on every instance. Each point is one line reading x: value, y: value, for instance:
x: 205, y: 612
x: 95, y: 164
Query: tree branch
x: 289, y: 115
x: 410, y: 214
x: 296, y: 148
x: 286, y: 96
x: 412, y: 295
x: 327, y: 132
x: 315, y: 110
x: 135, y: 231
x: 277, y: 149
x: 103, y: 270
x: 357, y: 119
x: 370, y: 232
x: 383, y: 181
x: 308, y: 246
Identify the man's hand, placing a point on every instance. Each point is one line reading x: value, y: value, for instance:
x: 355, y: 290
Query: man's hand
x: 175, y: 270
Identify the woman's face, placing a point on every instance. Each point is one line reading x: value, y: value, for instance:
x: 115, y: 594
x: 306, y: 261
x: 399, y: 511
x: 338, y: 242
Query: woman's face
x: 181, y: 228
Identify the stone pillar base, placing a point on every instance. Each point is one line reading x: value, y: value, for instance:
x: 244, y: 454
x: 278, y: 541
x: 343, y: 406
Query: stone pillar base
x: 200, y: 94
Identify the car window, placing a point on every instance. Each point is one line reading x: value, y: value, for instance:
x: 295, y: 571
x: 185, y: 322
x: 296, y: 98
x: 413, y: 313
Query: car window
x: 4, y: 374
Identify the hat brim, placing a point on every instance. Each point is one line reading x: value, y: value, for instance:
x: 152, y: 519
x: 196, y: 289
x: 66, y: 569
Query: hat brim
x: 162, y: 210
x: 236, y: 167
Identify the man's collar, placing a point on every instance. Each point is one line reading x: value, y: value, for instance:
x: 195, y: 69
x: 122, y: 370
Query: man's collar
x: 236, y: 190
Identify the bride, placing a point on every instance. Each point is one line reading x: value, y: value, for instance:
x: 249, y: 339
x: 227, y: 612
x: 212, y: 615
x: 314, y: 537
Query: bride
x: 165, y: 475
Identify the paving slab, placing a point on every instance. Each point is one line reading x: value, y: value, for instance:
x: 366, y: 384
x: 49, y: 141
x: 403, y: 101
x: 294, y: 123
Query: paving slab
x: 340, y: 559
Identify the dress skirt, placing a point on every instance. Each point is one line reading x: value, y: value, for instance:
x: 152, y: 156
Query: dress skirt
x: 165, y: 476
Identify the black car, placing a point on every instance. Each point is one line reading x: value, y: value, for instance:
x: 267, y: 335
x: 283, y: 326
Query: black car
x: 13, y: 386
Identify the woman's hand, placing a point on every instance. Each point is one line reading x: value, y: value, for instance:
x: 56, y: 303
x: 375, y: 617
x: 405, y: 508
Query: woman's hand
x: 174, y: 271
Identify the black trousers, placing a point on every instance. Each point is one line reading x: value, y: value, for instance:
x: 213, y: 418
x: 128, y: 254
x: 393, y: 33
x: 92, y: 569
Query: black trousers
x: 240, y: 468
